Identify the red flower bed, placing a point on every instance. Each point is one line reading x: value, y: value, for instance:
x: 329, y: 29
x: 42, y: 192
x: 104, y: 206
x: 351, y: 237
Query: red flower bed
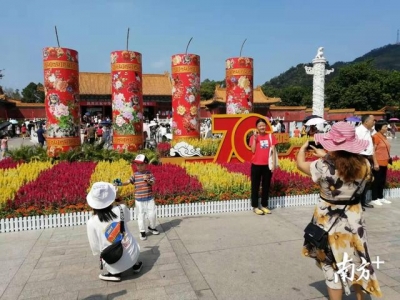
x: 164, y: 148
x: 174, y: 185
x: 8, y: 163
x: 63, y: 185
x: 392, y: 179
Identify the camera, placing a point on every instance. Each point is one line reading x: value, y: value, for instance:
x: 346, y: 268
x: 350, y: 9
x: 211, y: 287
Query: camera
x: 312, y: 143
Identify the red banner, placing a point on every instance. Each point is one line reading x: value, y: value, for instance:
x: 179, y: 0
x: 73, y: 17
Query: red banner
x: 127, y: 100
x: 239, y: 85
x: 61, y: 86
x: 186, y: 96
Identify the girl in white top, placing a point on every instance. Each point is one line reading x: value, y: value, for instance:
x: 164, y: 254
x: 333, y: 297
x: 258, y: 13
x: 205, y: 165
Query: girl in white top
x: 103, y: 229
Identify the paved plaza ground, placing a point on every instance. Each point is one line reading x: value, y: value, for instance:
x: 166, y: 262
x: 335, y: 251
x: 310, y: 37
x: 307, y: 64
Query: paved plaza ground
x: 221, y: 256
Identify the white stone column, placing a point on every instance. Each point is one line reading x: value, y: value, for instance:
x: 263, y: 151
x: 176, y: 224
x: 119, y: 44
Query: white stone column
x: 319, y: 73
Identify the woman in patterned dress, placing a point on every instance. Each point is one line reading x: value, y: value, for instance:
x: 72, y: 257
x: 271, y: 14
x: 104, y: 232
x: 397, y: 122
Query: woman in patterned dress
x: 340, y: 173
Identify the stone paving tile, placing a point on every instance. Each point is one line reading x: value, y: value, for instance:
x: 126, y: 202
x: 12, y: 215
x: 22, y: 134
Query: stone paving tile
x: 42, y: 277
x: 178, y: 288
x: 386, y: 280
x: 33, y: 293
x: 12, y: 292
x: 161, y: 282
x: 172, y: 273
x: 205, y: 295
x: 183, y: 296
x: 3, y: 287
x: 58, y: 264
x: 63, y: 296
x: 392, y: 272
x: 77, y: 286
x: 168, y: 267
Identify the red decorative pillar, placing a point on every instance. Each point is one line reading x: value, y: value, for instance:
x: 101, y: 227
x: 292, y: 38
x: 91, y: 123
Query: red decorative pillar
x: 239, y: 85
x: 61, y: 87
x: 127, y: 100
x: 185, y: 96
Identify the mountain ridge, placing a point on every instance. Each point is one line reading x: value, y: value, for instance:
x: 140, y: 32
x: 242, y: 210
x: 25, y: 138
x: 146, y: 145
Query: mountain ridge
x: 383, y: 58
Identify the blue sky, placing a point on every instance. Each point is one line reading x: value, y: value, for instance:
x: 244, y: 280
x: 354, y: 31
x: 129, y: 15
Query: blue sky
x: 280, y: 34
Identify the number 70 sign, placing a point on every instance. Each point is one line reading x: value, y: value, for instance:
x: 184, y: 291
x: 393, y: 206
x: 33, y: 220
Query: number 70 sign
x: 234, y: 130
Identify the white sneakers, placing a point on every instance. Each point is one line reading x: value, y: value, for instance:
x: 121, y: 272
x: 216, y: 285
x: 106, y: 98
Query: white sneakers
x: 383, y: 200
x: 376, y: 202
x: 380, y: 201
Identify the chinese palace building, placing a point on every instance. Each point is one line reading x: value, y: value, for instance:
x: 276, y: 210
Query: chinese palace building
x: 95, y: 97
x: 95, y: 94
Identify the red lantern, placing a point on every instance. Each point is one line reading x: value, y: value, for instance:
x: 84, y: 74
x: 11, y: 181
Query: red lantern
x: 61, y: 86
x: 185, y: 96
x: 127, y: 100
x: 239, y: 85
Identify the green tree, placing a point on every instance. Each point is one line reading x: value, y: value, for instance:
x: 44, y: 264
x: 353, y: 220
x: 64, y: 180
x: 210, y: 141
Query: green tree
x: 12, y: 94
x: 363, y: 87
x: 33, y: 93
x: 16, y: 95
x: 291, y: 95
x: 207, y: 88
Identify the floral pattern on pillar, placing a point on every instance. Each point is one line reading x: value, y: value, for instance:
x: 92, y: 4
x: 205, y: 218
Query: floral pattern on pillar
x: 127, y: 100
x: 239, y: 85
x: 185, y: 96
x: 61, y: 87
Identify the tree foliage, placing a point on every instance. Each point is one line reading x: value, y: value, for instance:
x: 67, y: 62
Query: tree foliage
x: 363, y: 87
x: 207, y: 88
x: 12, y: 94
x: 33, y: 93
x: 368, y: 83
x: 358, y: 85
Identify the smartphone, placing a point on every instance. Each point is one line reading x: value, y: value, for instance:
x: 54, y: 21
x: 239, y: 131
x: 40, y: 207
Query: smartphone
x: 312, y: 143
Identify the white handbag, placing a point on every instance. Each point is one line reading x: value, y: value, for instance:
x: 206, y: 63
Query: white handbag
x: 272, y: 154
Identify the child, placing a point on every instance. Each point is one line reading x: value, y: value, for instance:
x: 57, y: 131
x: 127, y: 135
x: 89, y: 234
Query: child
x: 143, y: 180
x: 4, y: 146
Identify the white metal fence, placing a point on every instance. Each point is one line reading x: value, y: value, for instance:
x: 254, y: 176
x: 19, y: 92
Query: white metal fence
x: 164, y: 211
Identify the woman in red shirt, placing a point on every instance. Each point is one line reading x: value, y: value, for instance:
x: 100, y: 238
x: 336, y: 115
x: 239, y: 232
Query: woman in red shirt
x: 261, y: 144
x: 382, y: 153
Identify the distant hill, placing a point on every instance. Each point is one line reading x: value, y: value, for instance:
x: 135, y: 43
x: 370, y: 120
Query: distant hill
x: 386, y: 58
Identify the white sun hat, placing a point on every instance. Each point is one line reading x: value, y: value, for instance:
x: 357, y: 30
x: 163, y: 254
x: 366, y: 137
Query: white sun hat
x: 101, y: 195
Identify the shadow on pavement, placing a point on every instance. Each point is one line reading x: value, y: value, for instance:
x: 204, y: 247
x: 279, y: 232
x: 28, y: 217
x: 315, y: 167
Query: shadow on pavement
x: 167, y: 226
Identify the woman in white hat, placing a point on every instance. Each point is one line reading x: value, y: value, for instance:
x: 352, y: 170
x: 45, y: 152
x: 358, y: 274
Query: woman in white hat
x: 103, y: 229
x: 342, y: 174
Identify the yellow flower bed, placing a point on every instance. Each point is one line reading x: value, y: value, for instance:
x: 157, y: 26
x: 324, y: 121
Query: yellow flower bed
x: 289, y: 165
x: 108, y: 171
x: 395, y: 166
x: 12, y: 179
x: 299, y: 141
x: 217, y: 179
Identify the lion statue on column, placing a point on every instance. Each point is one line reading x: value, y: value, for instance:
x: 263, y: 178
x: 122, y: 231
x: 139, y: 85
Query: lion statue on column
x: 320, y: 53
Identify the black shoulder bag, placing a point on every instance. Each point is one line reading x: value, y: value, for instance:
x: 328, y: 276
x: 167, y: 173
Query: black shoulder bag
x: 113, y: 253
x: 316, y: 235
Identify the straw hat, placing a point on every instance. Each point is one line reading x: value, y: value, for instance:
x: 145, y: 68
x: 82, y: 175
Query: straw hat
x: 342, y: 136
